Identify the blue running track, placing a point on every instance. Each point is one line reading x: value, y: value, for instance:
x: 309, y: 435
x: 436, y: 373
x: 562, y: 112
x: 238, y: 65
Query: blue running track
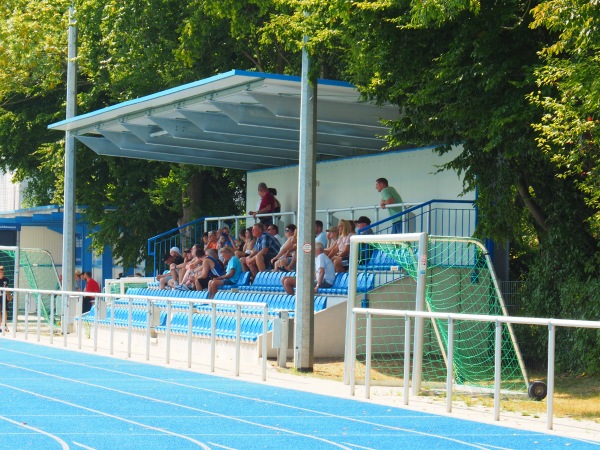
x: 59, y: 399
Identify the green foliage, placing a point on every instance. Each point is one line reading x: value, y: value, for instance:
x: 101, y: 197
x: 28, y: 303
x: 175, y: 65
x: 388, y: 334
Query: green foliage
x: 30, y: 54
x: 516, y: 83
x: 124, y: 51
x: 569, y: 92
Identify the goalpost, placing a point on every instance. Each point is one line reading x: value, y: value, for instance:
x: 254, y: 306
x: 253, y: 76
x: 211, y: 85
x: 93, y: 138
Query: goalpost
x: 417, y: 272
x: 30, y: 268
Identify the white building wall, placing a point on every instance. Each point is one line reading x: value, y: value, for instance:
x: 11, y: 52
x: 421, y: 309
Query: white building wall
x: 351, y: 182
x: 42, y: 237
x: 10, y: 193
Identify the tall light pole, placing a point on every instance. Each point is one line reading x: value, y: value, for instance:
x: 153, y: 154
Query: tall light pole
x: 68, y: 257
x: 305, y: 315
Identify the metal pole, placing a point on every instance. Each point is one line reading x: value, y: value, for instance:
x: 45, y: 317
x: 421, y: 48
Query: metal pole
x: 264, y: 341
x: 213, y: 335
x: 68, y: 248
x: 550, y: 380
x: 368, y: 343
x: 238, y: 325
x: 406, y: 358
x: 189, y: 336
x: 419, y: 321
x: 352, y: 359
x: 450, y: 363
x: 497, y: 369
x: 304, y: 318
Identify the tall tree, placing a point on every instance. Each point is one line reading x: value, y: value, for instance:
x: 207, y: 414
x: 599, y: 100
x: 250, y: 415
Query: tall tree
x: 125, y: 51
x: 521, y: 98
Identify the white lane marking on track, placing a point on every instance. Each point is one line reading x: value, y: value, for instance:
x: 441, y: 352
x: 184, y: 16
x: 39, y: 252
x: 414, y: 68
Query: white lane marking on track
x: 358, y: 446
x: 500, y: 448
x: 222, y: 446
x: 298, y: 408
x: 62, y: 443
x: 112, y: 416
x: 83, y: 446
x: 157, y: 400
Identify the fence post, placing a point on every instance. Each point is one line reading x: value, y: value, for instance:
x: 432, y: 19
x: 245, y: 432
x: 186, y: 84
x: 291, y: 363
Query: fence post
x: 420, y: 321
x: 550, y: 380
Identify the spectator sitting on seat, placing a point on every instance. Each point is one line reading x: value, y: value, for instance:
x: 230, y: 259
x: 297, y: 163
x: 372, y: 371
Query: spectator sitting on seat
x: 285, y: 260
x: 320, y: 235
x: 212, y: 267
x: 238, y: 243
x: 213, y: 241
x: 224, y: 241
x: 324, y: 272
x: 265, y: 249
x: 232, y: 274
x: 273, y: 230
x: 249, y: 241
x: 176, y: 268
x: 164, y: 277
x: 188, y: 278
x: 362, y: 222
x: 340, y: 258
x: 267, y: 204
x: 205, y: 239
x: 332, y: 237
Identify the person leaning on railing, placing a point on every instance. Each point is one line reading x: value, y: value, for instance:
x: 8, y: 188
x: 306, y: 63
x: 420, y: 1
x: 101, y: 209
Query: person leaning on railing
x: 267, y: 204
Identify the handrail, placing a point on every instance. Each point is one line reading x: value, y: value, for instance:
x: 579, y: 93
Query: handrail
x: 107, y: 298
x: 171, y: 231
x: 450, y: 317
x: 329, y: 212
x: 247, y: 217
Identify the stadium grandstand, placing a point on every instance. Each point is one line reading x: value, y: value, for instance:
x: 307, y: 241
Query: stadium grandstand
x: 257, y: 116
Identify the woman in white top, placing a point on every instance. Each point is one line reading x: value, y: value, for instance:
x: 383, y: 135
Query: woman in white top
x: 346, y: 230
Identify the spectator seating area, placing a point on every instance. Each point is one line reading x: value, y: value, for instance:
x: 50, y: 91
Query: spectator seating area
x: 251, y: 322
x: 266, y: 288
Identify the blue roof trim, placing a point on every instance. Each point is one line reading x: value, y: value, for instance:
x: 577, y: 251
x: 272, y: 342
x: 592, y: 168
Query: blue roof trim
x: 34, y: 209
x: 194, y: 84
x: 146, y: 98
x: 274, y: 76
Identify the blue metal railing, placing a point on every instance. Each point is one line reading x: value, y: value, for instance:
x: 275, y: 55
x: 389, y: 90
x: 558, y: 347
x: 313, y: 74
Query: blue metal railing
x: 182, y: 237
x: 436, y: 217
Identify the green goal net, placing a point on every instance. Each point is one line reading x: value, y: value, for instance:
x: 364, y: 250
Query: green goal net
x: 458, y: 278
x: 36, y: 270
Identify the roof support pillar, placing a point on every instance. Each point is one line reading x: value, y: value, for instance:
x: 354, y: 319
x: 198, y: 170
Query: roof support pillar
x: 305, y: 265
x: 68, y: 256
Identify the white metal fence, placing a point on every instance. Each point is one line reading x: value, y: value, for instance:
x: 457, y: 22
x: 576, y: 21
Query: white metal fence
x: 70, y: 306
x: 551, y: 324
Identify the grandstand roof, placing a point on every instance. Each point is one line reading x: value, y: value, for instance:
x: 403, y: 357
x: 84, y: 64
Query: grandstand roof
x: 242, y: 120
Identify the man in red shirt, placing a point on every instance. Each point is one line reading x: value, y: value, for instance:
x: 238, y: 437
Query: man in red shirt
x: 267, y: 204
x: 90, y: 286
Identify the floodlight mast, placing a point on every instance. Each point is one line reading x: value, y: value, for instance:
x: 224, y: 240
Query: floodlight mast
x: 305, y: 261
x: 68, y: 256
